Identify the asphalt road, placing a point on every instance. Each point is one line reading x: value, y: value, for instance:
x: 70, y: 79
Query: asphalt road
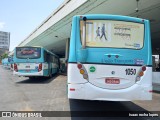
x: 49, y: 94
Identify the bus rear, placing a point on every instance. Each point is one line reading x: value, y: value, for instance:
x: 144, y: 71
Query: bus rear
x: 6, y: 63
x: 28, y: 61
x: 110, y: 58
x: 11, y: 61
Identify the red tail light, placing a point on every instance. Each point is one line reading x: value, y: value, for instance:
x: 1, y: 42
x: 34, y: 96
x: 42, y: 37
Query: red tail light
x: 144, y: 68
x: 40, y: 67
x: 79, y: 66
x: 141, y: 73
x: 15, y: 68
x: 82, y: 70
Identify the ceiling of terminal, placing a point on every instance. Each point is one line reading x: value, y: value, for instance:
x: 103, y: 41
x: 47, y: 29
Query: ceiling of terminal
x: 54, y: 38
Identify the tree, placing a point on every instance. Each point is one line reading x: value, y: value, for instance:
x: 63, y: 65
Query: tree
x: 5, y: 55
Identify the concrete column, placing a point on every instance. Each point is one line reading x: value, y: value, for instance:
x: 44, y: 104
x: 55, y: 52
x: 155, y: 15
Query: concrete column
x: 67, y: 49
x: 66, y: 55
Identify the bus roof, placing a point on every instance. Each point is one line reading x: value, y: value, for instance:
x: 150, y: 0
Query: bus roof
x: 29, y: 46
x: 110, y: 16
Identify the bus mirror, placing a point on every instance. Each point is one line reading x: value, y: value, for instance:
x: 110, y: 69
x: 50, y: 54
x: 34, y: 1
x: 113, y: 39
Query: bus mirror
x: 84, y: 33
x: 84, y: 18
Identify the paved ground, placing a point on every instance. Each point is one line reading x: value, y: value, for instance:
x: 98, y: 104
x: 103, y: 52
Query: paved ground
x: 23, y: 94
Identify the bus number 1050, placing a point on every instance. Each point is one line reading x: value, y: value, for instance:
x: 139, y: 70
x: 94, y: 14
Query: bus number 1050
x: 130, y: 71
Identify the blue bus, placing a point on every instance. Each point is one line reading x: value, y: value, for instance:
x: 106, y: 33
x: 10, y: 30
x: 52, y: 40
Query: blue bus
x: 32, y: 61
x: 110, y: 58
x: 11, y: 62
x: 6, y: 63
x: 2, y: 61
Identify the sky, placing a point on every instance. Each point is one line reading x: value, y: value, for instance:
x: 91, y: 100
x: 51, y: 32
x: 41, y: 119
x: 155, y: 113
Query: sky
x: 21, y: 17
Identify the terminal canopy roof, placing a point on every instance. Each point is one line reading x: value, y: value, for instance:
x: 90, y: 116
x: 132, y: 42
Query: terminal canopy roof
x: 55, y: 30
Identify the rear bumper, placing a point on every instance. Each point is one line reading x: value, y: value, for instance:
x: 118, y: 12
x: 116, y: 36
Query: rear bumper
x: 28, y: 74
x: 88, y: 91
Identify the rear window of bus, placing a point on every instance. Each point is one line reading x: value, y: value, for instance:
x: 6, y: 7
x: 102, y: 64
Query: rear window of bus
x: 114, y: 34
x: 28, y: 52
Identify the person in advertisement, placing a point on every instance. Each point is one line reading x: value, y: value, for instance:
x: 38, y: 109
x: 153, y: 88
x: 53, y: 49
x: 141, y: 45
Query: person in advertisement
x: 103, y: 31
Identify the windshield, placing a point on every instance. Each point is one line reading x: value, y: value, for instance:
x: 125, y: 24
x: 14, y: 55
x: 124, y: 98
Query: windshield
x: 28, y: 52
x: 111, y: 33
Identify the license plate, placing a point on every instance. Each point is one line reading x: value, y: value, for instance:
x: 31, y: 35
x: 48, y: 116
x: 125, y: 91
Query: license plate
x: 27, y: 70
x: 112, y: 81
x: 27, y: 66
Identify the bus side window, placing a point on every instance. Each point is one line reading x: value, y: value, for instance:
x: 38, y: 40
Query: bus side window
x: 56, y: 61
x: 50, y: 58
x: 45, y: 56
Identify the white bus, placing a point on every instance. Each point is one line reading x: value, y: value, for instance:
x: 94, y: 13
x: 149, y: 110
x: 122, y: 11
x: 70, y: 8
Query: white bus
x: 34, y: 62
x: 110, y: 58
